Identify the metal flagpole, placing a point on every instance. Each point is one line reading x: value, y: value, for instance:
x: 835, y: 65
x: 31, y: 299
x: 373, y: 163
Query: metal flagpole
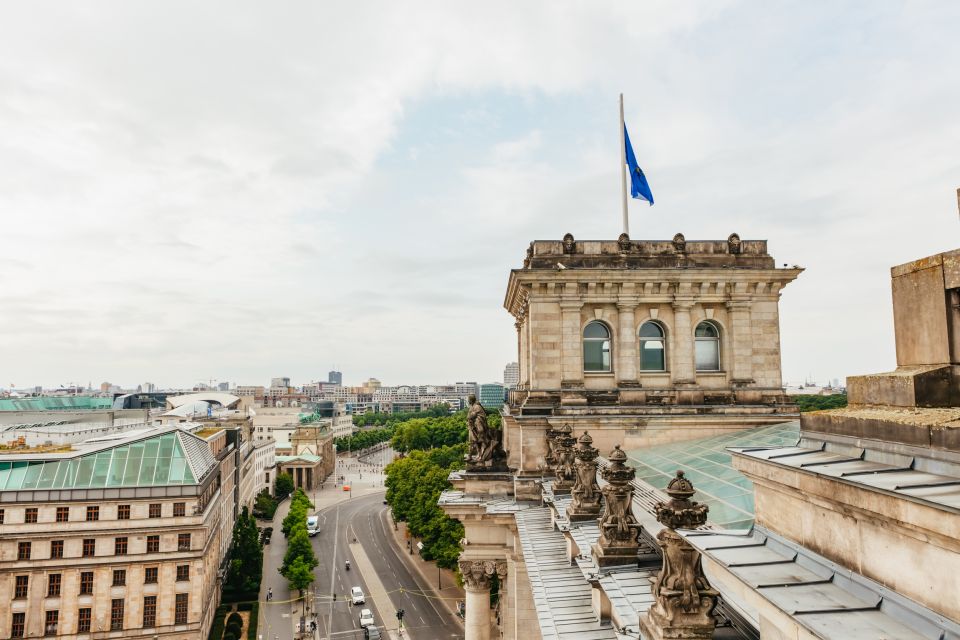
x: 623, y: 174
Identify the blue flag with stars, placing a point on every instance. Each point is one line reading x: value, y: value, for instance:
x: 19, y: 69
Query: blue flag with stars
x: 638, y: 182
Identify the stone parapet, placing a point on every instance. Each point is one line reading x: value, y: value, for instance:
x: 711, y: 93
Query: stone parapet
x: 927, y: 428
x: 908, y: 386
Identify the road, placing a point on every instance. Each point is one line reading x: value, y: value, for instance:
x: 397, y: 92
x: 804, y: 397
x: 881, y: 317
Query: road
x: 388, y: 581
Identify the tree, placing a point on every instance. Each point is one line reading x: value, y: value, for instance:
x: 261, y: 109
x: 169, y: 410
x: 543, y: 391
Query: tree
x: 246, y: 558
x: 299, y: 575
x: 298, y: 549
x: 283, y: 485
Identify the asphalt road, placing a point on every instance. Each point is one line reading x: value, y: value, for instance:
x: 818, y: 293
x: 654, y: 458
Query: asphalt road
x: 366, y: 519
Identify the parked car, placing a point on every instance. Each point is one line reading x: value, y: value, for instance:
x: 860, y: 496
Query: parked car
x: 366, y: 618
x: 356, y: 596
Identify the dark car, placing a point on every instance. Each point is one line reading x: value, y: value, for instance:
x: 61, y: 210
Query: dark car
x: 372, y: 633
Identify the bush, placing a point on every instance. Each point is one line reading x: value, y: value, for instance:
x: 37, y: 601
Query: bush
x: 254, y: 615
x: 235, y: 630
x: 229, y: 636
x: 216, y: 629
x: 265, y: 506
x: 234, y: 618
x: 245, y: 606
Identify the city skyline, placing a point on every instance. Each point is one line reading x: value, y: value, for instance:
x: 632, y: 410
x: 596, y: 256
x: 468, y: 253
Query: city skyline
x: 254, y: 206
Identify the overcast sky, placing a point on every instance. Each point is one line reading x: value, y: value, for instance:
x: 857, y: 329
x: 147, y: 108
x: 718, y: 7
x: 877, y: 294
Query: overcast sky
x: 244, y: 190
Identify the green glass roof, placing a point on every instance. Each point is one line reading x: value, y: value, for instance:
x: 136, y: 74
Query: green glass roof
x: 53, y: 403
x: 157, y: 461
x: 708, y: 465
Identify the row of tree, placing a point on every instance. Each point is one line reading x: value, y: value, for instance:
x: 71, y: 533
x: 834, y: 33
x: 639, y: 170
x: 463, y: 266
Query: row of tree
x: 430, y: 433
x: 819, y: 403
x: 383, y: 419
x: 299, y: 561
x: 246, y: 561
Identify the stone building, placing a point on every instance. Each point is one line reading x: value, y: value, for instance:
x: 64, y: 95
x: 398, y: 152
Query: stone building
x: 644, y: 342
x: 117, y: 536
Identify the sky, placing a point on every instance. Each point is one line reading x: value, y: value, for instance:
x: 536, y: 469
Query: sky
x: 238, y: 190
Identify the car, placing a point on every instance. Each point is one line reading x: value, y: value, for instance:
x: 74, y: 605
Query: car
x: 372, y: 633
x: 356, y: 596
x: 366, y: 618
x: 313, y: 525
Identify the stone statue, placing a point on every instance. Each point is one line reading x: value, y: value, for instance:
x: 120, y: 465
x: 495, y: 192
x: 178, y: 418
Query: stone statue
x: 586, y: 494
x: 563, y: 451
x: 684, y: 598
x: 486, y: 446
x: 619, y: 529
x: 551, y: 457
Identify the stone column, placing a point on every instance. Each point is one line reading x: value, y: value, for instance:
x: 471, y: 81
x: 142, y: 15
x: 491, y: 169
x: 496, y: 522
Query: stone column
x: 627, y: 351
x: 684, y: 598
x: 619, y: 529
x: 571, y: 343
x: 564, y: 454
x: 741, y: 342
x: 586, y: 493
x: 477, y: 575
x: 682, y: 361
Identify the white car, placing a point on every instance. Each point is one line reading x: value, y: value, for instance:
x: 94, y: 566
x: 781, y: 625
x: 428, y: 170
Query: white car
x: 356, y: 596
x: 366, y: 618
x: 313, y: 526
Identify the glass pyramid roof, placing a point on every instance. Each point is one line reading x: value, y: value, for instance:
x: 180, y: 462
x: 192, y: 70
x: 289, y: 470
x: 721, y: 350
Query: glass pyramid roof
x: 708, y: 465
x: 171, y: 458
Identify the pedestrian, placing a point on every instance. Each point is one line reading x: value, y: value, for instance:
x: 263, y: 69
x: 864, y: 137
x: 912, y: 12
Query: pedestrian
x: 269, y: 594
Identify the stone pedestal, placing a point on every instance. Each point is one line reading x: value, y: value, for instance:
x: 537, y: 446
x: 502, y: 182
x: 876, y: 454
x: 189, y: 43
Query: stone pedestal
x: 619, y: 529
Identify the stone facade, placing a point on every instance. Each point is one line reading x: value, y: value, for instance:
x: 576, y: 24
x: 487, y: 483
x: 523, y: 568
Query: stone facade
x: 731, y: 285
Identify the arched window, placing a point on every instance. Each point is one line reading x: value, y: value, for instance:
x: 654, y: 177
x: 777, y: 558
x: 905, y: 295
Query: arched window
x: 596, y: 347
x: 653, y: 355
x: 707, y: 337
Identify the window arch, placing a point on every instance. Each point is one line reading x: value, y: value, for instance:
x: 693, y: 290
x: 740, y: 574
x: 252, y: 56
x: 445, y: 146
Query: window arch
x: 596, y: 347
x: 707, y: 343
x: 653, y: 350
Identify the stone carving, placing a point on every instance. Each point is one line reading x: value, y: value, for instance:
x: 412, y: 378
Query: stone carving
x: 585, y: 492
x: 619, y: 529
x: 486, y: 444
x: 684, y: 598
x: 526, y: 261
x: 568, y: 244
x: 565, y: 459
x: 478, y: 574
x: 733, y: 244
x: 679, y: 243
x: 624, y: 242
x: 550, y: 458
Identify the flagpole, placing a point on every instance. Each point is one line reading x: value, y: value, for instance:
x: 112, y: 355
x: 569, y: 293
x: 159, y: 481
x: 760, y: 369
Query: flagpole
x: 623, y: 174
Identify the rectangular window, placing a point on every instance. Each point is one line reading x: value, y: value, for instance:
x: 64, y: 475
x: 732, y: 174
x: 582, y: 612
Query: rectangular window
x: 93, y: 514
x: 120, y: 546
x: 116, y: 614
x: 180, y: 609
x: 86, y: 583
x: 19, y: 622
x: 183, y: 572
x: 21, y: 586
x: 183, y: 542
x: 150, y: 575
x: 56, y: 549
x: 179, y: 509
x: 30, y: 515
x: 153, y: 544
x: 63, y: 514
x: 123, y: 512
x: 84, y: 617
x: 119, y: 577
x: 1, y: 516
x: 51, y: 623
x: 89, y: 547
x: 53, y: 585
x: 23, y: 551
x: 155, y: 510
x: 149, y: 611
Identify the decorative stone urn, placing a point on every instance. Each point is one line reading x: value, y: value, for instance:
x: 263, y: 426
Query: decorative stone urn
x: 684, y: 598
x: 585, y: 492
x: 619, y: 529
x: 565, y: 460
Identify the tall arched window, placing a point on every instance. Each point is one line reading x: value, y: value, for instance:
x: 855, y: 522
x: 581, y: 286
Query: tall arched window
x: 653, y: 355
x: 596, y: 347
x: 707, y: 337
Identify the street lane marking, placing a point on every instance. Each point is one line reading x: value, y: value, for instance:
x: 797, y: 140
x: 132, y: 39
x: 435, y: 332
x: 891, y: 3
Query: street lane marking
x: 377, y: 591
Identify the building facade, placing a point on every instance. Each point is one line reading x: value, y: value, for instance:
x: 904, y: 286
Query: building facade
x: 511, y: 375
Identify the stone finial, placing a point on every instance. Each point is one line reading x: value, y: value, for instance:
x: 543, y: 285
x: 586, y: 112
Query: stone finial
x: 526, y: 261
x: 565, y: 456
x: 624, y: 242
x: 586, y: 493
x: 733, y: 244
x: 679, y: 243
x: 568, y: 243
x: 619, y: 529
x: 684, y: 597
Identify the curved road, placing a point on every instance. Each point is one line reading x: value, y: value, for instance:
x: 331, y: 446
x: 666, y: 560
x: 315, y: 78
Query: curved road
x: 366, y: 519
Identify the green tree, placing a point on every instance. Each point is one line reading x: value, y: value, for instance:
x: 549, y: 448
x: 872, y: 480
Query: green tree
x: 299, y: 575
x: 245, y: 568
x: 283, y: 485
x: 819, y: 403
x: 298, y: 549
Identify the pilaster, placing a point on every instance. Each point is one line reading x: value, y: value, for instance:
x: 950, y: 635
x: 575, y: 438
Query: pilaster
x: 682, y: 362
x: 626, y: 369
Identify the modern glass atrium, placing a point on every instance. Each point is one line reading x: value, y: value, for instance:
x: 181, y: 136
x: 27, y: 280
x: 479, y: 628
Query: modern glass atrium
x: 708, y: 465
x: 156, y: 461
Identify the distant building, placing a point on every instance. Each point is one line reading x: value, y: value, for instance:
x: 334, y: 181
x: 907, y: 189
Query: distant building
x: 280, y: 382
x: 511, y: 375
x: 371, y: 385
x: 223, y: 386
x: 148, y: 387
x: 335, y: 377
x: 492, y: 395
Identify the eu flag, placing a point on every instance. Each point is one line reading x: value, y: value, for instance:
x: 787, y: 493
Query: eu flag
x: 638, y: 182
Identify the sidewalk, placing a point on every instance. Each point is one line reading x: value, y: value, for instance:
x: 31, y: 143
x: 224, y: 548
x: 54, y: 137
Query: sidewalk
x: 449, y: 593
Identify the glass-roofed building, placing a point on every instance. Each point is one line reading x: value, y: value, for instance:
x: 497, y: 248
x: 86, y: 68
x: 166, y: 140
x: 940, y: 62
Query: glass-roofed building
x: 119, y: 535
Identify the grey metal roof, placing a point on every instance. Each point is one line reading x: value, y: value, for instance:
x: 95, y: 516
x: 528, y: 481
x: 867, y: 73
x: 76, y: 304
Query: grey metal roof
x: 828, y: 600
